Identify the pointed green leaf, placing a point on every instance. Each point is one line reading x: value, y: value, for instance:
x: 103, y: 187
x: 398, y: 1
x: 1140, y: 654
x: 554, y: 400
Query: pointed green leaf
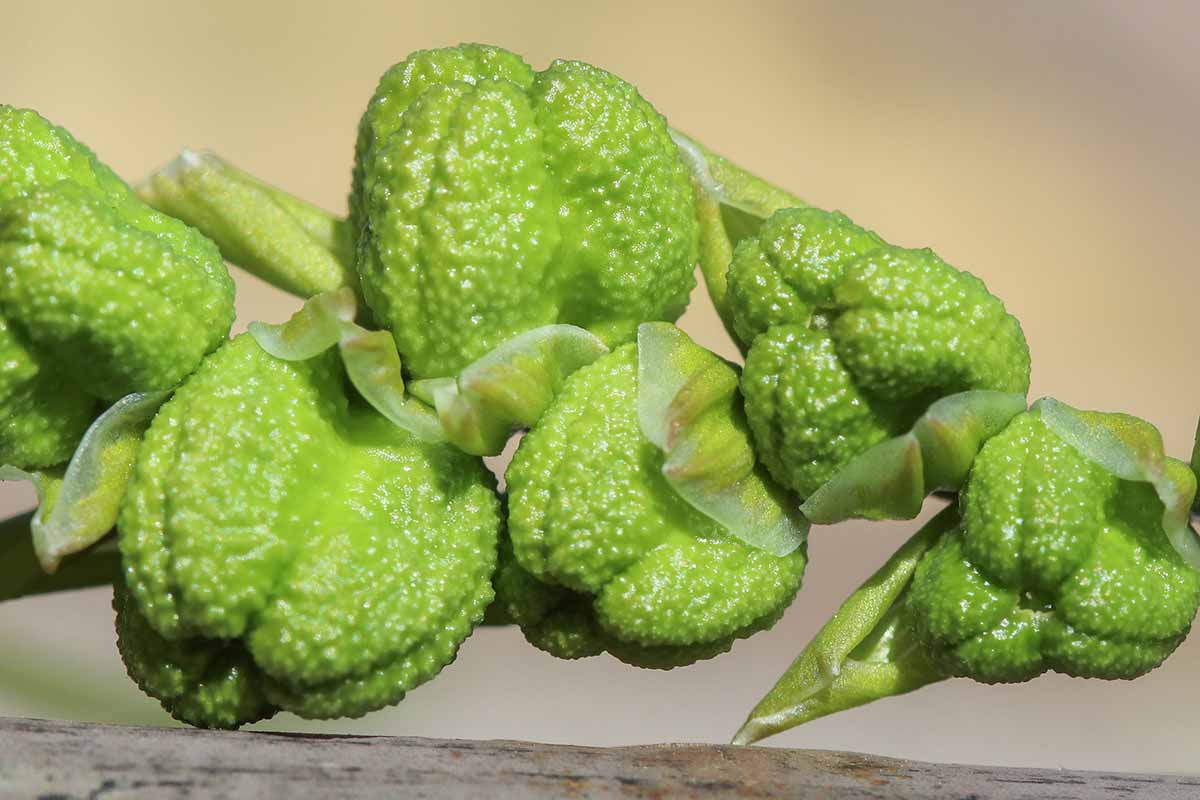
x: 79, y: 507
x: 863, y: 653
x: 955, y: 427
x: 281, y: 239
x: 689, y: 406
x: 885, y: 482
x: 732, y: 186
x: 892, y: 479
x: 1132, y: 449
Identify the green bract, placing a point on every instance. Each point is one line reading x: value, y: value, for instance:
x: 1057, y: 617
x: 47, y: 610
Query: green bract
x: 102, y: 296
x: 287, y: 547
x: 78, y: 503
x: 891, y: 480
x: 477, y: 411
x: 851, y: 339
x: 1070, y: 551
x: 606, y: 554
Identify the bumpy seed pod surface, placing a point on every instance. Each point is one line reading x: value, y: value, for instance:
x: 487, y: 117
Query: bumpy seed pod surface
x: 606, y: 556
x: 1070, y: 550
x: 850, y: 340
x: 489, y: 199
x: 1057, y: 564
x: 102, y: 296
x: 286, y: 547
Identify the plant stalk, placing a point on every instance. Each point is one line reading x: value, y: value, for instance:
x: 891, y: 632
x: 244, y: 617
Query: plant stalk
x: 21, y: 573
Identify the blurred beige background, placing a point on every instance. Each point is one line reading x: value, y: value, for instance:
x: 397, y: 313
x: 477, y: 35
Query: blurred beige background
x: 1048, y: 148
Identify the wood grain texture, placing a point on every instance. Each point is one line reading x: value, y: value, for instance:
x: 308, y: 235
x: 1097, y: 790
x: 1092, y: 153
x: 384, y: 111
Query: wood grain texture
x: 67, y: 760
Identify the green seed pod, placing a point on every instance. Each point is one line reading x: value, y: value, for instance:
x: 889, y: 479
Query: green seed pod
x: 851, y: 339
x: 614, y: 540
x: 1066, y: 567
x: 1070, y: 551
x: 287, y: 547
x: 102, y: 296
x: 490, y: 199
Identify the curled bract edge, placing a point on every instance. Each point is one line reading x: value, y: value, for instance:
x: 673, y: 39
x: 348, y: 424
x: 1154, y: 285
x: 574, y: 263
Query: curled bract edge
x: 709, y: 460
x: 863, y: 653
x: 508, y: 388
x: 730, y: 185
x: 1131, y: 449
x: 476, y: 411
x: 892, y: 479
x: 370, y: 358
x: 731, y: 204
x: 78, y: 505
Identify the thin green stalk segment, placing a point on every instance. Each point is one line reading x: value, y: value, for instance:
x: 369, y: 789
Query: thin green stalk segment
x: 731, y: 204
x: 283, y: 240
x: 1195, y: 464
x: 863, y: 653
x: 21, y: 573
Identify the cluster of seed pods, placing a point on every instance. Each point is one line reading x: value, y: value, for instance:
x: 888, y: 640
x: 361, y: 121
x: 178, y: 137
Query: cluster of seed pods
x: 303, y: 519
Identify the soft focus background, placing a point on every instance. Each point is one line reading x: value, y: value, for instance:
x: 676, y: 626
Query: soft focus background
x: 1048, y: 148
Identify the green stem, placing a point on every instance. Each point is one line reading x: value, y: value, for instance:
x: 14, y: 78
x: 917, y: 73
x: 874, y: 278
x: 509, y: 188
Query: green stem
x: 21, y: 573
x: 285, y: 241
x: 864, y: 653
x: 1195, y: 464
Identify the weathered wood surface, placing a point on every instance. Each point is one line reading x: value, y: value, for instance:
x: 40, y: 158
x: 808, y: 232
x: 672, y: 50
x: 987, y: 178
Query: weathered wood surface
x: 66, y: 760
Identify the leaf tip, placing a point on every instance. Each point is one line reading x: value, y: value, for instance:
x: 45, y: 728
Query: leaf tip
x: 747, y: 734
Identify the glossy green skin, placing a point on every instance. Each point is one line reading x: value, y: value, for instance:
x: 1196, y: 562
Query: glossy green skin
x: 489, y: 199
x: 606, y: 556
x: 1056, y: 565
x: 850, y: 339
x: 285, y: 547
x: 102, y: 296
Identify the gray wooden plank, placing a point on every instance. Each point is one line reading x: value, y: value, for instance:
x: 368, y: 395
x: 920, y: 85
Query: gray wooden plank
x: 47, y: 759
